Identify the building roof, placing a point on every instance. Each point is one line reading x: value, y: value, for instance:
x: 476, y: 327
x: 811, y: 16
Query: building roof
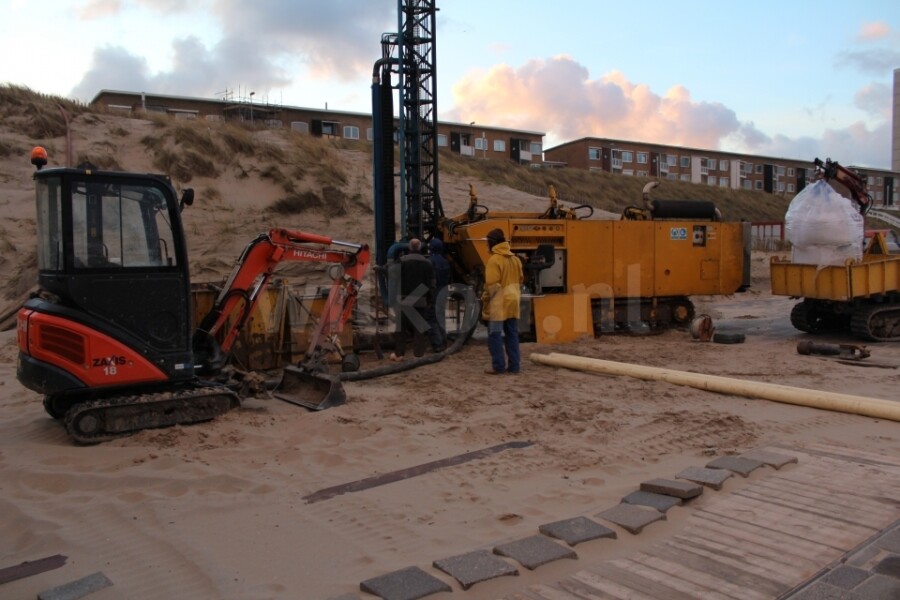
x: 301, y: 108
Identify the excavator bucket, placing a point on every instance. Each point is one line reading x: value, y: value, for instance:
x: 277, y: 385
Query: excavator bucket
x: 315, y: 390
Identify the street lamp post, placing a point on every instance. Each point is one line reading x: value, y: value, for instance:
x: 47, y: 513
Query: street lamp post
x: 251, y: 107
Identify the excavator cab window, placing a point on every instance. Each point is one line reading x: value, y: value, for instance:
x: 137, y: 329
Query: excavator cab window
x: 120, y: 225
x: 49, y: 225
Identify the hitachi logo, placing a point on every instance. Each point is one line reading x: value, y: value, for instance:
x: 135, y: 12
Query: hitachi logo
x: 310, y: 254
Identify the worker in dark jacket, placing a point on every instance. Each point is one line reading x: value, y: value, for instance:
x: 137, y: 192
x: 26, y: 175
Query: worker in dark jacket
x: 437, y: 332
x: 500, y: 304
x: 417, y: 293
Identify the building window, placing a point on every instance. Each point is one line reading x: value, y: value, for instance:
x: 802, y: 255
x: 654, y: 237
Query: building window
x: 790, y: 188
x: 790, y: 172
x: 724, y: 182
x: 442, y: 139
x: 481, y: 143
x: 499, y: 146
x: 780, y: 186
x: 330, y: 128
x: 671, y: 159
x: 628, y: 172
x: 643, y: 174
x: 642, y: 158
x: 723, y: 165
x: 781, y: 171
x: 711, y: 180
x: 758, y: 185
x: 351, y: 132
x: 878, y: 181
x: 685, y: 162
x: 759, y: 169
x: 370, y: 134
x: 300, y: 126
x: 685, y: 177
x: 627, y: 156
x: 747, y: 184
x: 536, y: 148
x: 671, y: 176
x: 594, y: 153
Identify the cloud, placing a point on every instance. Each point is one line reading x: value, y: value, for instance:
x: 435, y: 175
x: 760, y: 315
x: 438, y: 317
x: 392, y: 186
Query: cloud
x: 256, y: 44
x: 874, y: 31
x: 558, y: 96
x: 196, y: 70
x: 98, y: 9
x: 875, y: 99
x: 877, y: 61
x: 334, y: 38
x: 112, y: 68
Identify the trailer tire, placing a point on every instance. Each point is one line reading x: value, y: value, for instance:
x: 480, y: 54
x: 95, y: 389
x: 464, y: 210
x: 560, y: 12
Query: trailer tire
x: 728, y: 338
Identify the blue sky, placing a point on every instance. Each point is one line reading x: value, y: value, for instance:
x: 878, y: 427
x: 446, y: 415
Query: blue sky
x: 795, y: 79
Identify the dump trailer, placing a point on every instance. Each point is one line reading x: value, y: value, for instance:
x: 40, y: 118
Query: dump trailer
x: 860, y: 297
x: 586, y: 276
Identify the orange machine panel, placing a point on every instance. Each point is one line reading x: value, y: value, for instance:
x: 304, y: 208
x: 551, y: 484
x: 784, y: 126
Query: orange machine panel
x: 92, y: 357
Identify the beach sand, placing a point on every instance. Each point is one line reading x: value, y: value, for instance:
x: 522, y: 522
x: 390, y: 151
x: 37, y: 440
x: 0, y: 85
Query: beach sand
x: 217, y: 510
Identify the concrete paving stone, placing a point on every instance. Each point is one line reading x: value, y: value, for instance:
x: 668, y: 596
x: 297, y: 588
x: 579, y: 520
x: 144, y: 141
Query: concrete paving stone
x: 660, y: 502
x: 410, y: 583
x: 475, y: 567
x: 890, y: 541
x: 712, y: 478
x: 819, y: 591
x: 845, y: 577
x: 877, y: 587
x: 776, y: 460
x: 863, y: 556
x: 77, y: 589
x: 672, y: 487
x: 735, y: 464
x: 576, y: 530
x: 889, y: 565
x: 632, y: 518
x: 534, y: 551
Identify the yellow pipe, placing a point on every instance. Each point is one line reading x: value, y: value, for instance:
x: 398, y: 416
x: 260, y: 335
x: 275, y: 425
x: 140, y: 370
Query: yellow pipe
x: 859, y: 405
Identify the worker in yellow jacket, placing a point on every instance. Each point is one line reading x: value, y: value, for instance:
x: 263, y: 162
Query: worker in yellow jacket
x: 500, y: 304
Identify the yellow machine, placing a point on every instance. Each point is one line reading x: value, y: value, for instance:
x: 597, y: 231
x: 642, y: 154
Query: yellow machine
x: 859, y: 297
x: 587, y: 276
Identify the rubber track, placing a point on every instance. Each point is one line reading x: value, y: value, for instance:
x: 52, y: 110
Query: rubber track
x: 124, y: 415
x: 861, y: 323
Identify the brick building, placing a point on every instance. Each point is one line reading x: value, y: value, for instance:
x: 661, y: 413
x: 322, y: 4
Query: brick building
x: 467, y: 139
x: 785, y: 176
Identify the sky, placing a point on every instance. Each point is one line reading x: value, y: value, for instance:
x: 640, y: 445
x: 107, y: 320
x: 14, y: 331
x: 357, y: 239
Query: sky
x: 793, y: 79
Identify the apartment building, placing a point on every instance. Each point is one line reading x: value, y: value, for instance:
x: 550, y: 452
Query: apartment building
x: 709, y: 167
x: 467, y: 139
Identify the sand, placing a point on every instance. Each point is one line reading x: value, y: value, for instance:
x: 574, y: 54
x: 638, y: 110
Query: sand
x: 217, y: 510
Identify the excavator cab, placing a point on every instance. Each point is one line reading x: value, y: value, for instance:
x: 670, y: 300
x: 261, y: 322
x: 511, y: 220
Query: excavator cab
x: 113, y: 270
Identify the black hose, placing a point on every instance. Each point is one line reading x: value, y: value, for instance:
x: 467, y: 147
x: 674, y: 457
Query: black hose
x: 406, y: 365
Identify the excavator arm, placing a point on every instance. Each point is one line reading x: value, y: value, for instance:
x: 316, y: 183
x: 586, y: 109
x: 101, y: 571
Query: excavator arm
x: 251, y: 275
x: 832, y: 170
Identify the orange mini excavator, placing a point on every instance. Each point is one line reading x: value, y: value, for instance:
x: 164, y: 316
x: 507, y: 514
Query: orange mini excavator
x: 109, y: 338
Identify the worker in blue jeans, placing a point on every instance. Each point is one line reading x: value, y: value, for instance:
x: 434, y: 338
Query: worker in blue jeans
x: 500, y: 304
